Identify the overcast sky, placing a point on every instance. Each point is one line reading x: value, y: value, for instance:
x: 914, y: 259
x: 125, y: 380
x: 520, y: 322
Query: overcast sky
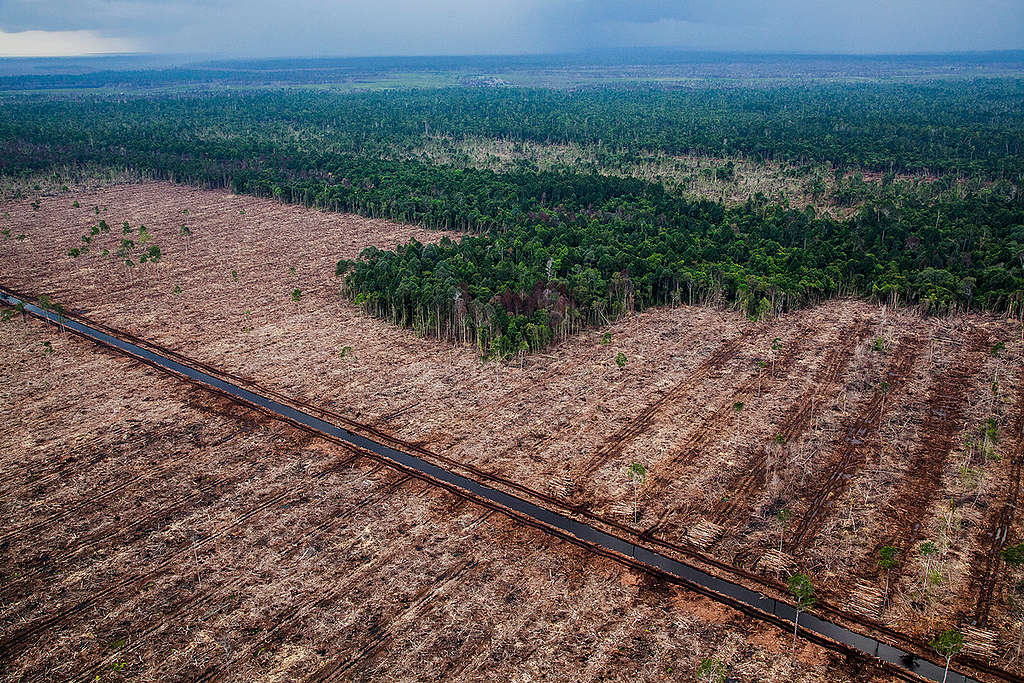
x: 415, y: 27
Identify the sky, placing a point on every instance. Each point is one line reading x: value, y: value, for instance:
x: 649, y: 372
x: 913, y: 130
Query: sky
x: 273, y: 28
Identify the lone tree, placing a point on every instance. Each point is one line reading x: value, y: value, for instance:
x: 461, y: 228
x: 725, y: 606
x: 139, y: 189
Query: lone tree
x: 928, y: 550
x: 782, y: 517
x: 637, y: 473
x: 186, y: 233
x: 45, y: 304
x: 948, y: 643
x: 776, y: 347
x: 620, y: 360
x: 61, y: 315
x: 886, y: 561
x: 761, y: 365
x: 296, y: 295
x: 803, y: 598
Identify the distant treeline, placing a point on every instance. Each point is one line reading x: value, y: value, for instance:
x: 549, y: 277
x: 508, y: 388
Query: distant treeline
x: 965, y: 128
x: 556, y: 251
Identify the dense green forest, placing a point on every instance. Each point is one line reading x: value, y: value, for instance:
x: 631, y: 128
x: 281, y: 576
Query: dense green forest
x: 552, y: 251
x: 961, y: 128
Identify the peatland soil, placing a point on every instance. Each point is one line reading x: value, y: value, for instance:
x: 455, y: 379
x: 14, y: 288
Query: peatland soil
x: 801, y: 443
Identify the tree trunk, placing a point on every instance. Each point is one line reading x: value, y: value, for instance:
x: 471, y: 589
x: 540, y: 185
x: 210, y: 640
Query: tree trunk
x: 796, y: 625
x: 636, y: 502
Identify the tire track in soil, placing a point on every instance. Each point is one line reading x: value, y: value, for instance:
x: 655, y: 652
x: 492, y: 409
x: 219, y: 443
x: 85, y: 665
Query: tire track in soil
x: 942, y: 423
x: 147, y: 523
x: 530, y: 443
x: 16, y: 641
x: 860, y: 434
x: 618, y: 442
x: 279, y: 632
x: 165, y: 512
x: 245, y: 426
x: 362, y: 660
x: 355, y: 666
x: 420, y: 605
x: 38, y: 487
x: 138, y: 639
x: 470, y: 652
x: 470, y: 662
x: 753, y: 474
x: 996, y: 534
x: 711, y: 427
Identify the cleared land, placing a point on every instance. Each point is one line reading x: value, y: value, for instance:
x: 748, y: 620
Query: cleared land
x: 862, y: 423
x: 154, y: 531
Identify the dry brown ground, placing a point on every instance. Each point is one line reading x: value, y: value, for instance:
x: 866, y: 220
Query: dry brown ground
x: 816, y: 436
x: 153, y: 531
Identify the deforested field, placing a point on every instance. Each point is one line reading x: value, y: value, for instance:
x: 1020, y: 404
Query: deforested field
x: 179, y: 536
x: 183, y: 529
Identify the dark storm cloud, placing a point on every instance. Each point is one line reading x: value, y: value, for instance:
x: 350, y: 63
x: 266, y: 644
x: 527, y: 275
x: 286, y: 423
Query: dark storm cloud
x: 651, y: 11
x: 864, y: 26
x: 352, y: 27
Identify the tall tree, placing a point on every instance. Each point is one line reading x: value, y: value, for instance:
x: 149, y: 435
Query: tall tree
x: 637, y: 473
x: 948, y: 644
x: 802, y: 590
x: 887, y: 560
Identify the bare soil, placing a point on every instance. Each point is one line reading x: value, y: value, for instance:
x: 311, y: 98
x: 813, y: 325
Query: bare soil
x: 154, y: 531
x: 856, y: 429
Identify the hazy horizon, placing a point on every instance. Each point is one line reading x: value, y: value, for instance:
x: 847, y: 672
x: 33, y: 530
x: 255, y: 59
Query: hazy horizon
x: 360, y: 28
x: 205, y: 57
